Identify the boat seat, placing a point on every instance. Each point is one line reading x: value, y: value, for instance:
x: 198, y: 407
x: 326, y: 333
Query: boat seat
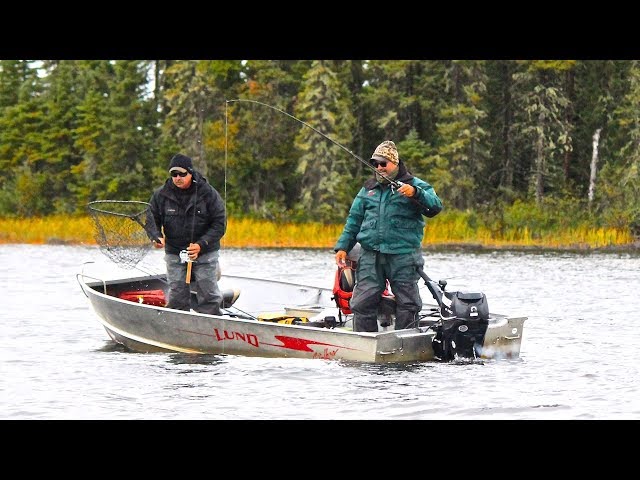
x: 229, y: 297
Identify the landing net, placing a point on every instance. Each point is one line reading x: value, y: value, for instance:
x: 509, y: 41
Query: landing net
x: 119, y: 229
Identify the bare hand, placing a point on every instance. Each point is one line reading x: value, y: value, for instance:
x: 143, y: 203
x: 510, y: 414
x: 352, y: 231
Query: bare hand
x: 341, y: 258
x: 407, y: 190
x: 193, y: 250
x: 158, y: 242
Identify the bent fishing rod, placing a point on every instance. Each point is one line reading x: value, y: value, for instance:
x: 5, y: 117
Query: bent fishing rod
x: 395, y: 183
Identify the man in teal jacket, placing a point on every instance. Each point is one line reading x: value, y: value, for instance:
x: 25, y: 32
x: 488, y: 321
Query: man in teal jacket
x: 388, y: 223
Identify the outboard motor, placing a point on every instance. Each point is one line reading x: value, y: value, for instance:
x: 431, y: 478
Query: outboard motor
x: 464, y: 318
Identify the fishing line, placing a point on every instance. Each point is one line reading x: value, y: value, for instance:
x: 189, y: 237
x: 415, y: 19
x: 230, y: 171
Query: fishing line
x: 226, y: 130
x: 394, y: 183
x: 364, y: 162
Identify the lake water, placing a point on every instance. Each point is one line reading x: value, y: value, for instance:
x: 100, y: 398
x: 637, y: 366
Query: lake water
x: 580, y: 356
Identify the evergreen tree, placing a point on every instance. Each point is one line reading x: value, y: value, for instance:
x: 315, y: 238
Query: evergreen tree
x: 400, y: 96
x: 500, y: 178
x: 187, y: 95
x: 463, y: 149
x: 542, y: 122
x: 324, y: 104
x: 24, y: 189
x: 600, y: 86
x: 66, y: 89
x: 13, y: 75
x: 116, y: 131
x: 263, y: 152
x: 621, y: 192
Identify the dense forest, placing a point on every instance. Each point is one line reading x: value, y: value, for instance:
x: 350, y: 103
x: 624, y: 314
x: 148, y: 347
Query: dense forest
x: 510, y: 141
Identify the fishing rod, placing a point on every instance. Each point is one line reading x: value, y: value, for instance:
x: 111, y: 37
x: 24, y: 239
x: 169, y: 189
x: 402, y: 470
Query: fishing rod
x: 395, y: 183
x: 184, y: 255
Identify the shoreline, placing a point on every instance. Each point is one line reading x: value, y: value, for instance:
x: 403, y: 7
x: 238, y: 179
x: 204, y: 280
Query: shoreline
x: 440, y: 247
x: 577, y: 248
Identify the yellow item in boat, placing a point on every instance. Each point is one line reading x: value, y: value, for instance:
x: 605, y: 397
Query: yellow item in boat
x: 281, y: 317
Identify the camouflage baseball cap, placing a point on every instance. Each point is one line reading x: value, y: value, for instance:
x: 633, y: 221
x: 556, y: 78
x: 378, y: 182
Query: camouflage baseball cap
x: 386, y: 151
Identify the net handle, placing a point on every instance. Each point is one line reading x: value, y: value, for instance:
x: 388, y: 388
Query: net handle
x: 188, y: 279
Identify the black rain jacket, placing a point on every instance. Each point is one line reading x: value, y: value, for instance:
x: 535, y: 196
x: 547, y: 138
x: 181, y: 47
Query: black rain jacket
x: 177, y: 218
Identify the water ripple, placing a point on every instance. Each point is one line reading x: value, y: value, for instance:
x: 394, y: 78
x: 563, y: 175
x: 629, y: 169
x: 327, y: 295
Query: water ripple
x: 579, y: 357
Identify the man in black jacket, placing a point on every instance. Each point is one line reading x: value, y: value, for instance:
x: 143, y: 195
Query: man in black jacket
x: 191, y: 215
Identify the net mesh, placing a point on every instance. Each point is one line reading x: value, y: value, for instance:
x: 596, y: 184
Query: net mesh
x: 120, y: 230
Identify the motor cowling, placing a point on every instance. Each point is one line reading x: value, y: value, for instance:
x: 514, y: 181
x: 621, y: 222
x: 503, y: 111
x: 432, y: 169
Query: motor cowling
x: 464, y: 318
x: 465, y: 305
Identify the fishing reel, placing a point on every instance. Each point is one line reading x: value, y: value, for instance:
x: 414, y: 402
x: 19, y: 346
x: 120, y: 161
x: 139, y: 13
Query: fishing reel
x: 184, y: 257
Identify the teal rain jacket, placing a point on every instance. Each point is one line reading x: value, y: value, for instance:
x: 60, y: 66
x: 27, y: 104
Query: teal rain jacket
x: 385, y: 221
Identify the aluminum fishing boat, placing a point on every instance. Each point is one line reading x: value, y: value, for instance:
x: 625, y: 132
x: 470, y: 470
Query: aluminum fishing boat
x: 266, y: 318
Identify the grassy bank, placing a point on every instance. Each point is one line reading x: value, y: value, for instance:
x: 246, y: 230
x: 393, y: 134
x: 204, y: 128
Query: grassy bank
x: 446, y: 229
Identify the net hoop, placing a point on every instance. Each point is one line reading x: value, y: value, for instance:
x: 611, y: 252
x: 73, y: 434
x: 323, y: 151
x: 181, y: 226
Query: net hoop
x: 120, y: 230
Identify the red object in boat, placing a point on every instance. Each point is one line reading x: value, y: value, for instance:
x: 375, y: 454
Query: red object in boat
x: 148, y: 297
x: 343, y: 287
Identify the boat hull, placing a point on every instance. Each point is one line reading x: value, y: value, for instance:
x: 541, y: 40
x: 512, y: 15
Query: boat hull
x: 149, y: 328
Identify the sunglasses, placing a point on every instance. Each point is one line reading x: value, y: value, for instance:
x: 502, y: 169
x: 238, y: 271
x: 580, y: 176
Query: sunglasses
x: 375, y: 163
x: 178, y: 174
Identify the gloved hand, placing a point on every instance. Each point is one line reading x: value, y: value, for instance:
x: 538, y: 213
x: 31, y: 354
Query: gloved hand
x: 341, y: 258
